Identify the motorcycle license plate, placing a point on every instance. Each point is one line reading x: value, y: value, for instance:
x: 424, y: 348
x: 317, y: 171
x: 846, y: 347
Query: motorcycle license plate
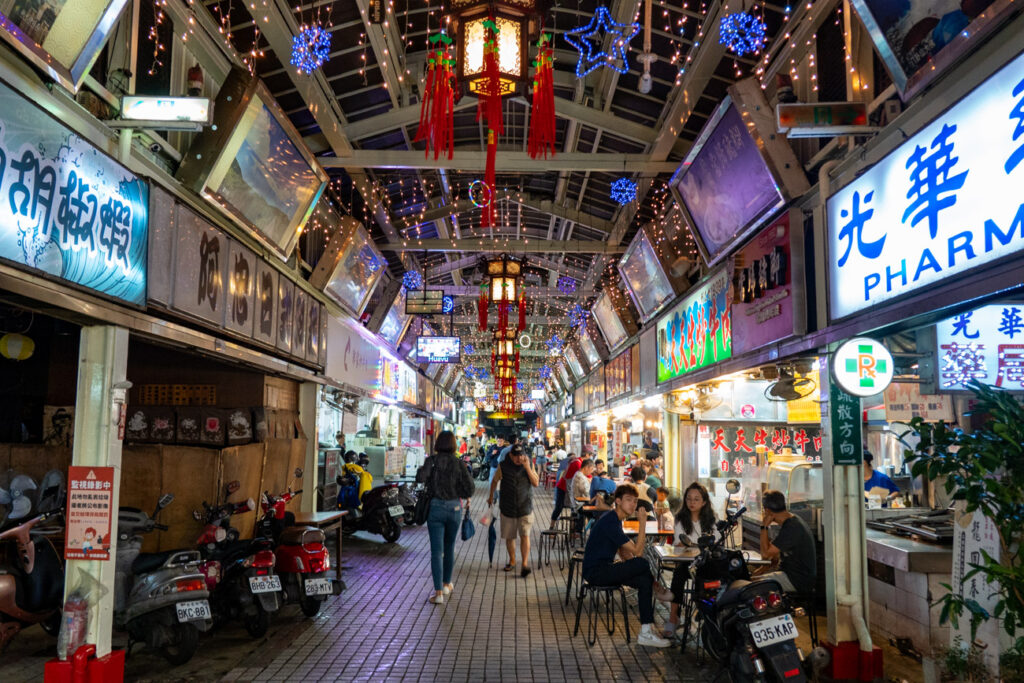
x: 264, y: 584
x: 775, y: 630
x: 193, y: 610
x: 396, y: 510
x: 318, y: 586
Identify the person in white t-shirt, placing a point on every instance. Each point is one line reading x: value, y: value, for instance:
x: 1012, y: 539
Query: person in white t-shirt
x: 695, y: 519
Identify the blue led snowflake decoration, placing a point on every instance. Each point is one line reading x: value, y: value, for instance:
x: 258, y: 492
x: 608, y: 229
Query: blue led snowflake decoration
x: 519, y: 386
x: 447, y: 304
x: 566, y: 285
x: 743, y: 33
x: 577, y: 315
x: 589, y: 41
x: 545, y: 372
x: 468, y: 349
x: 412, y: 280
x: 555, y: 343
x: 623, y: 191
x: 310, y: 48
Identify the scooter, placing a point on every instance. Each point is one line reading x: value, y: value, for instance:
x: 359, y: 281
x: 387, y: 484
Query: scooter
x: 381, y: 508
x: 747, y: 626
x: 302, y: 559
x: 32, y: 585
x: 483, y: 472
x: 239, y: 573
x: 160, y: 598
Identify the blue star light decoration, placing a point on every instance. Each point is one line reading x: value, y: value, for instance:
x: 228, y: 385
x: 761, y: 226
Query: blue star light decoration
x: 566, y: 285
x: 310, y: 48
x: 577, y: 315
x: 545, y: 372
x: 468, y: 349
x: 623, y: 191
x: 412, y: 280
x: 743, y: 33
x: 589, y: 41
x: 555, y: 343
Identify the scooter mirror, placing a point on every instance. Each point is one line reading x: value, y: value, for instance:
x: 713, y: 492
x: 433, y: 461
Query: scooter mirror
x: 196, y: 515
x: 732, y: 486
x: 164, y: 501
x: 298, y: 473
x: 232, y: 486
x: 250, y: 504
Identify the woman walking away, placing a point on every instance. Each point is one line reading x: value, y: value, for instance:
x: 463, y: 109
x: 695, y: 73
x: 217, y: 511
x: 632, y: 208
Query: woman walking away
x: 447, y: 482
x: 695, y: 519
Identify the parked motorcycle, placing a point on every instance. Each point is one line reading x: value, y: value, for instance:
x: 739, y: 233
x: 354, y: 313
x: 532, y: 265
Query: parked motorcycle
x: 381, y: 508
x: 483, y: 470
x: 411, y: 493
x: 160, y: 598
x: 302, y: 559
x: 239, y: 573
x: 746, y: 625
x: 32, y: 584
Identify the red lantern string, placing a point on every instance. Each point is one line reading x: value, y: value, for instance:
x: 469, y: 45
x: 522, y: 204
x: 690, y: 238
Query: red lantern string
x: 522, y: 313
x: 481, y: 308
x: 489, y: 108
x: 437, y: 110
x: 542, y: 114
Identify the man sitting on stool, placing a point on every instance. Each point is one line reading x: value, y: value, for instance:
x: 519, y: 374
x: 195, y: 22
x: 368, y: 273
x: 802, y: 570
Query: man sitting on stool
x: 600, y: 569
x: 793, y: 546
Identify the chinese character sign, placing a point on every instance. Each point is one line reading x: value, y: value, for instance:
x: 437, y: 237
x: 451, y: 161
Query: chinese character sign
x: 986, y: 344
x: 698, y: 331
x: 89, y: 511
x: 844, y: 408
x: 945, y: 201
x: 66, y: 208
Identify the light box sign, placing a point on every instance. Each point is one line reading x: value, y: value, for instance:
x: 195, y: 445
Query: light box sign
x: 66, y: 208
x: 725, y: 185
x: 984, y: 345
x: 698, y: 331
x: 438, y: 349
x: 944, y: 202
x: 608, y: 320
x: 159, y: 108
x: 645, y: 278
x: 769, y: 301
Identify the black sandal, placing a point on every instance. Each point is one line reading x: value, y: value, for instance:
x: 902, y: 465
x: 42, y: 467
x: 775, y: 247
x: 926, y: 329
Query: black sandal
x: 526, y: 572
x: 509, y: 567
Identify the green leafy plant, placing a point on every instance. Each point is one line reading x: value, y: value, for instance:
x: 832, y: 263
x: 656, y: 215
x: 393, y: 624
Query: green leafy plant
x: 983, y: 468
x: 961, y: 663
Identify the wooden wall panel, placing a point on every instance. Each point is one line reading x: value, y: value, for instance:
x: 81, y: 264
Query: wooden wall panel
x: 244, y: 464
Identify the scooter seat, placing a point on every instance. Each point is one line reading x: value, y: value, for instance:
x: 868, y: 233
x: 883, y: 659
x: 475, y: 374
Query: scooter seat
x: 299, y: 535
x: 736, y: 590
x: 147, y: 562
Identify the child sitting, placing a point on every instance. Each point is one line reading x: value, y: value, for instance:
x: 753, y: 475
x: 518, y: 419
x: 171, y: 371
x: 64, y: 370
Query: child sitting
x: 662, y: 510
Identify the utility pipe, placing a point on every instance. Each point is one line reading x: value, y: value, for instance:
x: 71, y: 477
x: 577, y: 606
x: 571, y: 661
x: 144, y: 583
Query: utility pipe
x: 854, y: 599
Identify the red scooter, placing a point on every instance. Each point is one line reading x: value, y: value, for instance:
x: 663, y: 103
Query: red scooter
x: 302, y: 558
x: 31, y: 587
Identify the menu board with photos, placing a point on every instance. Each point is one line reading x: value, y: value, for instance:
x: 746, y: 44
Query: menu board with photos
x: 619, y: 374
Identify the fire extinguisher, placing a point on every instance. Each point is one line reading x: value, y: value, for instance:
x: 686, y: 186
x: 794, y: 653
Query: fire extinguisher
x: 74, y: 626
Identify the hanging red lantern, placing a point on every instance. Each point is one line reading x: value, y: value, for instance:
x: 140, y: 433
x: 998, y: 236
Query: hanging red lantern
x: 437, y: 108
x: 542, y: 113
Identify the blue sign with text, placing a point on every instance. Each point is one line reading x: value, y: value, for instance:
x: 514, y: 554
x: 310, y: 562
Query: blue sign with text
x: 66, y: 208
x: 945, y: 201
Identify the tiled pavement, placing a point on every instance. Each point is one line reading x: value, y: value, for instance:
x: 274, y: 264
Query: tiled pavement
x: 498, y: 627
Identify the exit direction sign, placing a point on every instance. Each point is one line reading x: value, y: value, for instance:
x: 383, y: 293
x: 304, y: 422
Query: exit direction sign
x: 823, y: 119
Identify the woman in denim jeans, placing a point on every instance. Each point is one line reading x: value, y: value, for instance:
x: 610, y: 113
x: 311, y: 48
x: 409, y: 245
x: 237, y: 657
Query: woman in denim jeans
x: 448, y: 482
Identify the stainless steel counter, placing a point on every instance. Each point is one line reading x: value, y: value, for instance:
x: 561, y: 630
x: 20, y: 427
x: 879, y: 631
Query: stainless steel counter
x: 908, y: 555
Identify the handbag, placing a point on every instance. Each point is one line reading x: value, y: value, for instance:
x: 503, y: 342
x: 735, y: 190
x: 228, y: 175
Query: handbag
x: 468, y: 528
x: 422, y: 510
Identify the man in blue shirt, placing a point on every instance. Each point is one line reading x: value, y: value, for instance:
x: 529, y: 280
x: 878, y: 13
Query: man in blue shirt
x: 600, y: 482
x: 600, y: 568
x: 877, y: 484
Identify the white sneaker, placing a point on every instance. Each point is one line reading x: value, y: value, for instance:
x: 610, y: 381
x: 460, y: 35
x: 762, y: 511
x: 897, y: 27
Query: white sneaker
x: 651, y: 639
x: 447, y: 589
x: 436, y: 599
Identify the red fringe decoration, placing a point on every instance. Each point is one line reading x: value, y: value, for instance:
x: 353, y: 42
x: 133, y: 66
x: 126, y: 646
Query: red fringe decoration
x: 437, y: 109
x: 522, y: 314
x: 481, y: 309
x: 517, y: 362
x: 542, y: 114
x: 503, y: 316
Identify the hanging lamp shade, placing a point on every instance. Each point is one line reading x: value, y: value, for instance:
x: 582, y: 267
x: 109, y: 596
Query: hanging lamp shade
x: 504, y: 274
x: 517, y: 21
x: 16, y: 346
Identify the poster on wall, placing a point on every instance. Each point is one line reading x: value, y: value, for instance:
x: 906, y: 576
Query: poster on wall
x: 619, y: 374
x: 241, y: 267
x: 698, y: 331
x: 984, y: 345
x: 904, y: 401
x: 265, y: 324
x: 919, y: 39
x: 285, y: 313
x: 769, y: 302
x: 201, y: 268
x: 89, y: 513
x: 735, y: 447
x: 67, y: 209
x: 944, y: 202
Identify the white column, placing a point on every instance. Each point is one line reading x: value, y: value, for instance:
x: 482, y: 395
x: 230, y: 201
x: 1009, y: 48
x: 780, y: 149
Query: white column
x: 102, y: 369
x: 308, y: 392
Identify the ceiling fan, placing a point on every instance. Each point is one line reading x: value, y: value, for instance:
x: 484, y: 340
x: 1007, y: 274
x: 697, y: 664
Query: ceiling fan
x: 789, y: 387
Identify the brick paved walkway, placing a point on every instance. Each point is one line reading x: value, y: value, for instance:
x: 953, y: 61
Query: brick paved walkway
x: 498, y: 627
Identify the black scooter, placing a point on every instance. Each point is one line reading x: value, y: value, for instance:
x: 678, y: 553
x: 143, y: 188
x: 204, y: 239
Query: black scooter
x: 747, y: 625
x: 381, y: 511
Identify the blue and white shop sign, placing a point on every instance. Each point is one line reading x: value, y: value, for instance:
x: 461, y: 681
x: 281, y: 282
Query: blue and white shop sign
x: 945, y: 201
x: 985, y: 345
x: 66, y: 208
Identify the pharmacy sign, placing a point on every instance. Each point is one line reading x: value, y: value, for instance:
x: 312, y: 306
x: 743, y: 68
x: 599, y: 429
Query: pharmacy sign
x: 862, y: 366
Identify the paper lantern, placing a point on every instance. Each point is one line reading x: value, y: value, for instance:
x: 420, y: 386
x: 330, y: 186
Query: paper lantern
x: 16, y: 346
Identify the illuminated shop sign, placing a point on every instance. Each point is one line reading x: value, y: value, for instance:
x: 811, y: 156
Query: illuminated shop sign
x: 862, y: 366
x: 986, y: 345
x: 66, y: 208
x: 944, y: 202
x: 698, y: 331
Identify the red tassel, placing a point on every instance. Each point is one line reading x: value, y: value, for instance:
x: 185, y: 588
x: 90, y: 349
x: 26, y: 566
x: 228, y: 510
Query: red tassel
x: 481, y: 308
x: 522, y: 313
x: 489, y: 109
x: 437, y: 109
x: 517, y: 362
x: 542, y: 115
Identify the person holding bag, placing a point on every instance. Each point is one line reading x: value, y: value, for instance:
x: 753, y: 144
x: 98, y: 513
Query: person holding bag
x: 447, y: 482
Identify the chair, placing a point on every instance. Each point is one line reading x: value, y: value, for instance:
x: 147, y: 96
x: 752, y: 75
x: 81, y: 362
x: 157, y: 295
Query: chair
x: 553, y: 541
x: 595, y: 593
x: 575, y: 561
x: 809, y: 602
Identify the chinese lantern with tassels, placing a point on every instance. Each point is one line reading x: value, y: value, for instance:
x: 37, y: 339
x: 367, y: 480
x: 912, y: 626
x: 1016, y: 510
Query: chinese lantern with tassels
x: 488, y: 108
x: 542, y: 114
x: 437, y: 108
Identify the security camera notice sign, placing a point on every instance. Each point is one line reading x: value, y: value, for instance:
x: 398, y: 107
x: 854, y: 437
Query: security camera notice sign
x: 89, y: 511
